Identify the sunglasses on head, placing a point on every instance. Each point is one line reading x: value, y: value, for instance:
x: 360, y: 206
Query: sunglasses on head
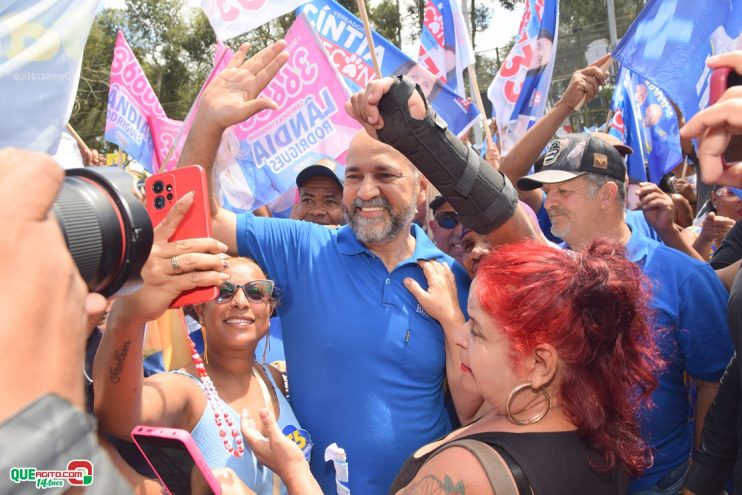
x: 447, y: 219
x: 257, y: 291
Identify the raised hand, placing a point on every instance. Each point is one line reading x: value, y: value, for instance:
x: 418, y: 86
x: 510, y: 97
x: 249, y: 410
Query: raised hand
x: 198, y: 259
x: 364, y: 105
x: 232, y: 97
x: 585, y: 84
x: 715, y: 126
x: 658, y: 208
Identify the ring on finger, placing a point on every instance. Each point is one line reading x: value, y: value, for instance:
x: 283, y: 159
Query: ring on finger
x: 176, y: 266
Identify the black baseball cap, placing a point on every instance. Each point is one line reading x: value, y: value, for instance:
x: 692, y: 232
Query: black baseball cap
x: 317, y: 170
x: 572, y: 156
x: 437, y: 202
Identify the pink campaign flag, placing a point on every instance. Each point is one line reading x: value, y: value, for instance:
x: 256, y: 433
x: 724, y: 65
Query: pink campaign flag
x: 131, y: 103
x: 168, y: 133
x: 260, y: 158
x: 230, y: 18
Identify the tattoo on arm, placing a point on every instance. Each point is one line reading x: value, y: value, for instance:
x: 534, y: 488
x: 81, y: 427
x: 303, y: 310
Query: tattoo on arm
x: 114, y: 372
x: 432, y: 485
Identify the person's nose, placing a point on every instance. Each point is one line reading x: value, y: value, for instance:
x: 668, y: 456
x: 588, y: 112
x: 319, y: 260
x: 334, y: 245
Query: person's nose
x: 368, y: 188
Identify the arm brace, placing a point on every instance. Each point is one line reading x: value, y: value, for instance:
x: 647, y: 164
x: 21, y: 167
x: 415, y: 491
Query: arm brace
x: 483, y: 197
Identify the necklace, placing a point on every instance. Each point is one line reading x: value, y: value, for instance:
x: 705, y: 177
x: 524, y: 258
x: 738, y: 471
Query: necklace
x: 232, y: 442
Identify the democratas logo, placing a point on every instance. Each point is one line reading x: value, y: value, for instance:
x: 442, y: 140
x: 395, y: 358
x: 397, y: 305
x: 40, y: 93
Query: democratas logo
x: 79, y: 472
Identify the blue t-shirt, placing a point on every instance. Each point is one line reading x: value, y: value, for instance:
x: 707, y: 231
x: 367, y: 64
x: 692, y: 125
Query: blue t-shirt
x: 693, y: 336
x: 365, y: 362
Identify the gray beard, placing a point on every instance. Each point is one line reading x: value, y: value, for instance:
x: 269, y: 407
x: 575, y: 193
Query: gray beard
x: 373, y: 231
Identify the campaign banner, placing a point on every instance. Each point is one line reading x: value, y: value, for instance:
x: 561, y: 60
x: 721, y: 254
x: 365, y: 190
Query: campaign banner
x: 445, y: 46
x: 260, y: 158
x: 230, y: 18
x: 670, y: 40
x: 343, y: 38
x: 169, y: 136
x: 131, y: 102
x: 41, y: 47
x: 519, y: 90
x: 645, y: 120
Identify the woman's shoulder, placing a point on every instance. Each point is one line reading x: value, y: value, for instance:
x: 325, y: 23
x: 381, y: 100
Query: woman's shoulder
x: 452, y: 470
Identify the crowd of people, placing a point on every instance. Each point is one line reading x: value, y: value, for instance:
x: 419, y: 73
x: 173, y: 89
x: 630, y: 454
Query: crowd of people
x: 534, y: 335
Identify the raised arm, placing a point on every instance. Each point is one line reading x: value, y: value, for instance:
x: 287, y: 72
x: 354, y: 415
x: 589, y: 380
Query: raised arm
x: 231, y: 98
x: 123, y: 398
x: 583, y: 86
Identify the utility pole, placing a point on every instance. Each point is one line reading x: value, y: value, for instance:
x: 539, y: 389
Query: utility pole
x: 612, y: 23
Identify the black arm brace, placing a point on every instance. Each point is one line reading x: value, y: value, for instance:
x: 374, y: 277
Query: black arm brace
x: 483, y: 197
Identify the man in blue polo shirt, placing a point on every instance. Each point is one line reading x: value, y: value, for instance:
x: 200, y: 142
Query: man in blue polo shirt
x: 583, y: 178
x: 365, y: 361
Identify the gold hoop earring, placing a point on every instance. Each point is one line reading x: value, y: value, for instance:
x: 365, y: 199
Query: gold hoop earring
x: 537, y: 417
x: 203, y: 337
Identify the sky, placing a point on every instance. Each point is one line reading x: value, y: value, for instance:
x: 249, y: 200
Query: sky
x: 503, y: 26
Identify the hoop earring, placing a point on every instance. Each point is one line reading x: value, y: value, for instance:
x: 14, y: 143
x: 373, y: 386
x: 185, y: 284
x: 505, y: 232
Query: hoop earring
x: 206, y: 347
x: 537, y: 417
x: 267, y: 345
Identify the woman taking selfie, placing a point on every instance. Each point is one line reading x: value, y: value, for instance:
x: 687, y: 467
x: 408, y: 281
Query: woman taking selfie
x: 206, y: 396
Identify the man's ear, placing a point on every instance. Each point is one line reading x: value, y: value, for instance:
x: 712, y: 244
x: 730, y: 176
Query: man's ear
x: 199, y: 309
x: 544, y: 361
x: 608, y: 193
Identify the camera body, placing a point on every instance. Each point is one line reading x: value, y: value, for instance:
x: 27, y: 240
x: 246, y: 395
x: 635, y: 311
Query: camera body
x: 106, y: 228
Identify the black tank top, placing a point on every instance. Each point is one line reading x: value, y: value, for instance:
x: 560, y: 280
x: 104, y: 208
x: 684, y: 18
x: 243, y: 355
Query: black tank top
x: 555, y: 463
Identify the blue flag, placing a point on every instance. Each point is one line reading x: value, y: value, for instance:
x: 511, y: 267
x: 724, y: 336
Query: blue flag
x: 645, y: 120
x: 343, y: 38
x: 670, y: 40
x: 519, y: 90
x: 41, y: 46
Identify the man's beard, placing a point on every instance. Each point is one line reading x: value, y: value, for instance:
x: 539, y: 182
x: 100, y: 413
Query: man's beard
x: 381, y: 229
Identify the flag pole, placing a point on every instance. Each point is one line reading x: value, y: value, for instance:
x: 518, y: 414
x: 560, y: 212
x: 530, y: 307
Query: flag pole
x: 369, y: 36
x: 77, y: 137
x: 480, y: 104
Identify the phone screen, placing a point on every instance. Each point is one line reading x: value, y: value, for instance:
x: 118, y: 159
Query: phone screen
x: 175, y: 466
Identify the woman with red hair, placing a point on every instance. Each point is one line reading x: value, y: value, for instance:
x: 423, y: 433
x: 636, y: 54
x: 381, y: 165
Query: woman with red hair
x: 560, y: 350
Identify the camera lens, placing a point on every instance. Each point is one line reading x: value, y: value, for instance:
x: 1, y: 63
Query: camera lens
x: 159, y: 202
x: 169, y: 196
x: 158, y: 186
x: 107, y: 230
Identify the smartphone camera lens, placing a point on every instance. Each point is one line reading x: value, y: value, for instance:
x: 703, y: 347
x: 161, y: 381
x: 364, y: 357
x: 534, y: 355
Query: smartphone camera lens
x: 169, y: 187
x: 169, y: 196
x: 158, y: 187
x: 159, y: 202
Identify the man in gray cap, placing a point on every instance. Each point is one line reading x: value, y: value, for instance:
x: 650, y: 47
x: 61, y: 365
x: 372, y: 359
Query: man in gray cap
x: 320, y: 195
x: 584, y: 181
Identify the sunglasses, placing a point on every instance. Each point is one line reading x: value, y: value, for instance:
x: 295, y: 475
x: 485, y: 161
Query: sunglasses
x: 257, y: 291
x: 447, y: 219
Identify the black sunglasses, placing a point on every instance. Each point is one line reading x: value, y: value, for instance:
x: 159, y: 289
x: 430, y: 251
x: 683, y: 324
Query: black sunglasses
x: 257, y: 291
x: 447, y: 219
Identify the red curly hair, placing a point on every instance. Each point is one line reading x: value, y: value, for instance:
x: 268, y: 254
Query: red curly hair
x: 592, y: 307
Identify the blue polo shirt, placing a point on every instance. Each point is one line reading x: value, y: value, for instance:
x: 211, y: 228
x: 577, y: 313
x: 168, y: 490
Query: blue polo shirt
x: 365, y: 362
x: 693, y: 336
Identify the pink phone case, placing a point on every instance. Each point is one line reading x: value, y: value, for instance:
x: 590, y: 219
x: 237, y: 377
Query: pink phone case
x: 175, y: 437
x: 718, y: 83
x: 162, y: 191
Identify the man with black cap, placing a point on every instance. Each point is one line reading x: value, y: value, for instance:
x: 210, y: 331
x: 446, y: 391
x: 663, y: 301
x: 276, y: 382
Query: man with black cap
x: 445, y: 228
x: 583, y: 178
x: 320, y: 194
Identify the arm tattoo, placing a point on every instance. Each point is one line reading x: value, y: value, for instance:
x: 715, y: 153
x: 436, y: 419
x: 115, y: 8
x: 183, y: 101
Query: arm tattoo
x: 114, y: 372
x: 432, y: 485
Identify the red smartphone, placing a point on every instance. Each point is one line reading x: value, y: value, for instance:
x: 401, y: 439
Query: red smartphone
x: 176, y: 460
x: 721, y: 79
x: 162, y: 191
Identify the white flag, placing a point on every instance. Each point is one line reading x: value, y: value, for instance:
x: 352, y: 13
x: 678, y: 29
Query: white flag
x: 231, y: 18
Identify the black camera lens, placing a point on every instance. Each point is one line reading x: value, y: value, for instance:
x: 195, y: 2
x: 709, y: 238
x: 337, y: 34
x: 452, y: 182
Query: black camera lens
x: 169, y: 196
x: 159, y: 202
x: 158, y: 186
x: 107, y: 230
